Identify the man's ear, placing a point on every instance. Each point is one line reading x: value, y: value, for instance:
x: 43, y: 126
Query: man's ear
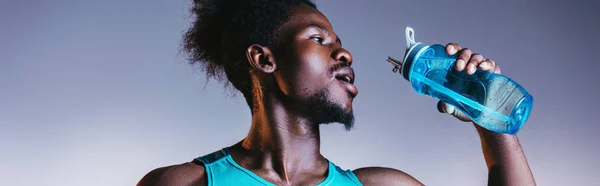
x: 261, y: 58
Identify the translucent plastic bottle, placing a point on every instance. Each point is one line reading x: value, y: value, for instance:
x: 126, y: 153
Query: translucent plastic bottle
x: 491, y: 100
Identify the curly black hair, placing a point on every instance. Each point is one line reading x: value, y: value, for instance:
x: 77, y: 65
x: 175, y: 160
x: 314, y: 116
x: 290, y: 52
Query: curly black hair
x: 224, y: 29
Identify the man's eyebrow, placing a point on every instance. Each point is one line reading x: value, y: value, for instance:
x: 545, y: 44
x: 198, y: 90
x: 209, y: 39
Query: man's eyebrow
x: 324, y: 29
x: 320, y: 27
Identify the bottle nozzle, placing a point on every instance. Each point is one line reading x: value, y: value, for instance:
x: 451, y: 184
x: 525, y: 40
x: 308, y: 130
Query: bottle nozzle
x: 397, y: 64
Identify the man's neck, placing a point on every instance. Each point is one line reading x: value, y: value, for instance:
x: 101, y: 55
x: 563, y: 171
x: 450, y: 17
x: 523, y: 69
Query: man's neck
x: 281, y: 141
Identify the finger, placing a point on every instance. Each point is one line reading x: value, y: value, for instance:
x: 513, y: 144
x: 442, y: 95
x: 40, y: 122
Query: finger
x: 461, y: 61
x: 487, y: 65
x: 497, y: 70
x: 452, y: 48
x: 449, y: 109
x: 474, y: 63
x: 441, y: 108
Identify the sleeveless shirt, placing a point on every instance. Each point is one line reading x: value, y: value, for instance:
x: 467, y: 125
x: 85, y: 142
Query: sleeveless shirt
x: 222, y: 170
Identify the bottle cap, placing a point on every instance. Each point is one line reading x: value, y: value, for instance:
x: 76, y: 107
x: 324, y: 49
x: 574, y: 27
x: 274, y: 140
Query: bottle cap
x: 413, y: 49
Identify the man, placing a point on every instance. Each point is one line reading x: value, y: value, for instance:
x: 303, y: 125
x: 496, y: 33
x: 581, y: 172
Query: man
x: 289, y: 64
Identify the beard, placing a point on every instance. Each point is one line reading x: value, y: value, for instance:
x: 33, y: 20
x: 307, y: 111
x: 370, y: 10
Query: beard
x: 325, y: 111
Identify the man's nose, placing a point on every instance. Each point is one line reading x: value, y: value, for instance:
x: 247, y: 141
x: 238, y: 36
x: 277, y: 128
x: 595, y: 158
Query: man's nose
x: 342, y: 55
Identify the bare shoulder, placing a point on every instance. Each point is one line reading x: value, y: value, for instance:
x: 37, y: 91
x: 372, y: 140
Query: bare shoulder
x: 384, y: 176
x: 182, y: 174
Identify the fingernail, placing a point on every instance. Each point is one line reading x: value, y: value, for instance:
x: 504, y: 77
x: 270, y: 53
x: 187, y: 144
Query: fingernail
x: 470, y: 68
x: 451, y: 48
x: 484, y: 65
x: 460, y: 65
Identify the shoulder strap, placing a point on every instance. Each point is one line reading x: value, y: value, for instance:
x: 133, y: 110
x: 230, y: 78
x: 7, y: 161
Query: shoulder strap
x: 348, y: 174
x: 352, y: 177
x: 207, y: 161
x: 212, y: 157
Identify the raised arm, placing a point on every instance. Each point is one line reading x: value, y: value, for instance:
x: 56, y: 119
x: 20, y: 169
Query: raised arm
x: 505, y: 159
x: 504, y: 156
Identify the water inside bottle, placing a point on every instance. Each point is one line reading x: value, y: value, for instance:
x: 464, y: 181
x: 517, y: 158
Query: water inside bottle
x: 488, y: 99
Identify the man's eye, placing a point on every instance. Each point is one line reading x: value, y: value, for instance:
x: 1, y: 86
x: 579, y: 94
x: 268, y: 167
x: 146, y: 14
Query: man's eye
x: 317, y: 39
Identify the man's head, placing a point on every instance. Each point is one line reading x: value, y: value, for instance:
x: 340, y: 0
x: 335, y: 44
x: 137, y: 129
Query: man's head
x: 283, y: 49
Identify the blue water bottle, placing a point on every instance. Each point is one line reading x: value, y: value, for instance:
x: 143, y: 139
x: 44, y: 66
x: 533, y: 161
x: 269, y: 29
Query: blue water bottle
x: 493, y: 101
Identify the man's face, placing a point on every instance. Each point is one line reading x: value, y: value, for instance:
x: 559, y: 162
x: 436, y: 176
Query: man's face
x: 313, y: 68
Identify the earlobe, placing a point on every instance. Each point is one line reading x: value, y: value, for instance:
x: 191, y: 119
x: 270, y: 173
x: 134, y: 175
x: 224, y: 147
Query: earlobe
x: 261, y: 58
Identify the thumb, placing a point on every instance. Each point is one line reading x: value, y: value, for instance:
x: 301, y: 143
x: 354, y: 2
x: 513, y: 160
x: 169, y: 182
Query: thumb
x: 449, y: 109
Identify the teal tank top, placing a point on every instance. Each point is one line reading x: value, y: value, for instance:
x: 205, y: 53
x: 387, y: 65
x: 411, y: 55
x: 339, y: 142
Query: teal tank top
x: 222, y: 170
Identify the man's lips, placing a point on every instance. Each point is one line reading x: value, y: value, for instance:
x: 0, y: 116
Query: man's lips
x: 346, y: 76
x: 352, y: 90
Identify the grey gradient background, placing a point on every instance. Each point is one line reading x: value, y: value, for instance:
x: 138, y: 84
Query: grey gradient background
x: 97, y: 93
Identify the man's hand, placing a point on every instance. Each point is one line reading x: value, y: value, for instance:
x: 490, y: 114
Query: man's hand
x: 469, y: 61
x: 503, y: 154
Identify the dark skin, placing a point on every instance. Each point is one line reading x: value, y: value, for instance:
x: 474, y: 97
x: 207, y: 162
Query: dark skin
x: 283, y: 144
